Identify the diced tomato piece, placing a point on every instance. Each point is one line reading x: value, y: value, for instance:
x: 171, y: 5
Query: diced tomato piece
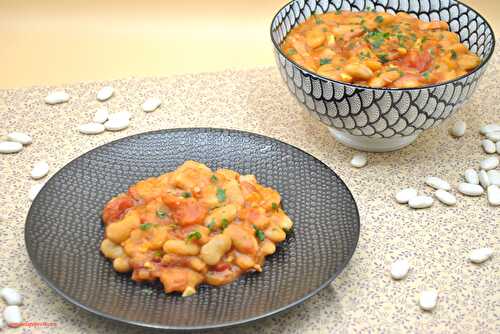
x: 115, y: 208
x: 221, y: 266
x: 419, y: 60
x: 185, y: 211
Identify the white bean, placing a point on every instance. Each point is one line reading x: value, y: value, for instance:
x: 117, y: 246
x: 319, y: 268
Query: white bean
x: 437, y: 183
x: 420, y: 202
x: 91, y: 128
x: 40, y: 169
x: 34, y: 190
x: 484, y: 180
x: 458, y: 129
x: 489, y: 128
x: 494, y: 177
x: 488, y: 146
x: 493, y: 136
x: 428, y: 300
x: 116, y: 124
x: 11, y: 296
x: 480, y: 255
x: 105, y: 93
x: 404, y: 195
x: 399, y: 269
x: 445, y: 197
x: 10, y: 147
x: 470, y: 189
x: 493, y: 193
x: 57, y: 97
x: 471, y: 176
x: 359, y: 160
x: 12, y: 315
x: 101, y: 115
x: 151, y: 104
x: 20, y: 137
x: 489, y: 163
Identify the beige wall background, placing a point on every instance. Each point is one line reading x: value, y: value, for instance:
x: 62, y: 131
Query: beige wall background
x: 50, y: 42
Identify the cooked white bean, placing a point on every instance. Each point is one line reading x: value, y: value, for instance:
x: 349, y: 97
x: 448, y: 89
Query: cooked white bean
x: 11, y: 296
x: 458, y: 129
x: 12, y: 315
x: 91, y: 128
x: 437, y: 183
x: 493, y: 136
x: 470, y: 189
x: 471, y: 176
x: 151, y: 104
x: 489, y: 128
x: 40, y: 169
x: 10, y: 147
x: 404, y: 195
x: 493, y: 193
x: 359, y: 160
x: 445, y: 197
x: 428, y: 300
x: 484, y: 180
x: 105, y: 93
x: 494, y: 177
x: 488, y: 146
x: 489, y: 163
x: 420, y: 202
x: 20, y: 137
x: 399, y: 269
x: 480, y: 255
x: 34, y: 190
x: 101, y: 115
x: 57, y: 97
x: 116, y: 124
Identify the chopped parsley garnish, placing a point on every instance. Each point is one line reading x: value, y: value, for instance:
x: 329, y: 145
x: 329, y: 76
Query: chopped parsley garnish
x: 324, y: 61
x: 454, y: 54
x: 259, y: 234
x: 274, y: 206
x: 224, y: 223
x: 383, y: 58
x: 211, y: 225
x: 221, y: 194
x: 186, y: 194
x: 325, y: 29
x: 145, y: 226
x: 157, y: 254
x: 379, y: 19
x: 194, y: 235
x: 363, y: 55
x: 319, y: 21
x: 426, y: 75
x: 376, y: 38
x: 213, y: 178
x: 161, y: 214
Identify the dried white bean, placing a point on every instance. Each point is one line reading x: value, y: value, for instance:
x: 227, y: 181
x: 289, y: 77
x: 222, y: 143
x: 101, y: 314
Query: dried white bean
x: 101, y: 115
x: 151, y: 104
x: 489, y: 128
x: 489, y: 163
x: 359, y: 160
x: 404, y: 195
x: 494, y: 177
x: 116, y: 124
x: 488, y: 146
x: 484, y: 180
x: 458, y: 129
x: 399, y: 269
x: 34, y: 190
x: 10, y: 147
x: 20, y: 137
x: 91, y: 128
x: 57, y: 97
x: 40, y: 169
x: 12, y: 315
x: 445, y: 197
x: 493, y: 195
x: 471, y: 176
x: 105, y: 93
x: 420, y: 202
x: 480, y: 255
x: 11, y: 296
x: 437, y: 183
x: 428, y: 300
x: 493, y: 136
x: 470, y: 189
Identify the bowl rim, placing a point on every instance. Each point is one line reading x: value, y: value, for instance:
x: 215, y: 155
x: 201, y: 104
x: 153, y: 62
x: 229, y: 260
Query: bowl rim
x: 483, y: 63
x: 225, y: 325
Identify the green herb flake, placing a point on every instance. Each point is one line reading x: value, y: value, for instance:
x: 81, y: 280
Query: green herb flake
x: 290, y: 52
x: 194, y: 235
x: 426, y: 75
x: 259, y: 234
x: 157, y: 254
x: 211, y: 225
x: 325, y: 29
x: 383, y: 58
x: 145, y: 226
x: 454, y: 54
x: 161, y: 214
x: 221, y: 194
x: 186, y: 194
x: 224, y: 223
x: 379, y: 19
x: 324, y: 61
x: 274, y: 206
x: 319, y: 21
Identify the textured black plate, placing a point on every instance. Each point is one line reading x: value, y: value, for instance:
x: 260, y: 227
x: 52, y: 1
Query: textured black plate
x: 63, y: 229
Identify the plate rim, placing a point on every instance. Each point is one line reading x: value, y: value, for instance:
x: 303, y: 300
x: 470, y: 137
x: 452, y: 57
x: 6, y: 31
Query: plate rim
x: 224, y: 325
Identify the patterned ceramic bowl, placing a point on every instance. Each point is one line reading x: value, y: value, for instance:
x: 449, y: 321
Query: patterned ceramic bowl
x: 382, y: 119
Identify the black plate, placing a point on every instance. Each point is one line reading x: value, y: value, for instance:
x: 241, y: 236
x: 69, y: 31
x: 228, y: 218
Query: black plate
x: 63, y: 229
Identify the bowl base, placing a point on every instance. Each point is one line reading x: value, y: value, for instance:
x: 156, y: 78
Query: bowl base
x: 372, y: 144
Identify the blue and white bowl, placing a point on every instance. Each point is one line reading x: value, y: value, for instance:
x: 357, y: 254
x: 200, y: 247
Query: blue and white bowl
x: 382, y: 119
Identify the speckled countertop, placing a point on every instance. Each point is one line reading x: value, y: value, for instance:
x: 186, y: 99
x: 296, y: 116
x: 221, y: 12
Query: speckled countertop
x: 363, y: 298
